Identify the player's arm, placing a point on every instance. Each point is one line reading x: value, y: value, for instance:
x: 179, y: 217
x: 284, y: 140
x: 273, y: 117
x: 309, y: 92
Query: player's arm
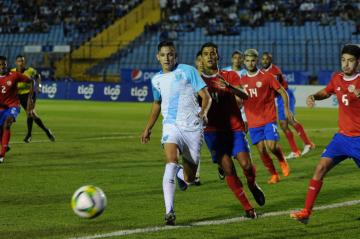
x: 320, y: 95
x: 205, y: 104
x: 285, y: 98
x: 154, y: 115
x: 236, y: 90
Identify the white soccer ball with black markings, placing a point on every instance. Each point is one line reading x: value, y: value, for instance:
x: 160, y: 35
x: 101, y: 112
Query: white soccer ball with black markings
x: 88, y: 201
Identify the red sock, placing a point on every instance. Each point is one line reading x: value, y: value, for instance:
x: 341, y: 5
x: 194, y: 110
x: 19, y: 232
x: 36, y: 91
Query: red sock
x: 313, y: 190
x: 250, y: 175
x: 279, y: 153
x: 268, y: 163
x: 236, y: 187
x: 5, y: 141
x: 301, y: 132
x: 290, y: 138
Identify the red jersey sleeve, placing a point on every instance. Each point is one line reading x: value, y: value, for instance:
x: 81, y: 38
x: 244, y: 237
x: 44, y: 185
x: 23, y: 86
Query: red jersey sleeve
x: 233, y: 78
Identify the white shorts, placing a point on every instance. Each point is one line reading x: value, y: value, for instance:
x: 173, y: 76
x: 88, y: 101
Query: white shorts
x: 188, y: 142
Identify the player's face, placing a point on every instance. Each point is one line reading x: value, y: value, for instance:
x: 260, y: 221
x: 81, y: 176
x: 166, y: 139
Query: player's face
x: 167, y: 58
x: 250, y: 63
x: 3, y: 67
x: 199, y: 64
x: 237, y: 61
x: 20, y: 62
x: 349, y: 64
x: 266, y: 61
x: 210, y: 58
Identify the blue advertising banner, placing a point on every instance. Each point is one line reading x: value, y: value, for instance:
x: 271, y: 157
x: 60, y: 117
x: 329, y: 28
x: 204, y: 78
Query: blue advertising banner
x: 297, y: 77
x: 137, y: 75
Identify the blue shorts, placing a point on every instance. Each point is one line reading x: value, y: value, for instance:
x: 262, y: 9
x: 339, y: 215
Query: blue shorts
x: 226, y: 143
x: 342, y: 147
x: 12, y: 111
x: 266, y: 132
x: 280, y: 104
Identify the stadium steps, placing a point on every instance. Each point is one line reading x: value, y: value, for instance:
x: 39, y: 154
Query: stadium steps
x: 109, y: 41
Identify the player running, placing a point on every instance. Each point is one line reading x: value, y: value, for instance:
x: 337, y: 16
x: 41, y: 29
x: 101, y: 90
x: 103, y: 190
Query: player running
x: 346, y: 143
x: 23, y: 92
x: 176, y: 89
x: 224, y: 133
x: 268, y: 66
x: 9, y: 102
x: 260, y: 111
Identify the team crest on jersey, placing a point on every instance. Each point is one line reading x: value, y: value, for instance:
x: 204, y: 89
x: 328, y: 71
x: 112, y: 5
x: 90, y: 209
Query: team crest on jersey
x: 338, y: 88
x: 258, y: 84
x: 351, y: 88
x: 8, y: 83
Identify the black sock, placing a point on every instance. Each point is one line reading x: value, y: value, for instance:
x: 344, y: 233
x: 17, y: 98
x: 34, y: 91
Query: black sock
x: 29, y: 125
x: 40, y: 124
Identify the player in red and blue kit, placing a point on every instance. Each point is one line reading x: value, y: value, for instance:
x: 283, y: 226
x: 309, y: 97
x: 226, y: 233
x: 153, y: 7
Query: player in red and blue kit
x: 9, y: 102
x: 260, y: 112
x: 346, y: 143
x: 224, y: 133
x: 268, y: 66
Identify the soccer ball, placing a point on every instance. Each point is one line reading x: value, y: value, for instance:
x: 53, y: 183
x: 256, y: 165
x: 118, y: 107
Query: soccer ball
x: 88, y: 201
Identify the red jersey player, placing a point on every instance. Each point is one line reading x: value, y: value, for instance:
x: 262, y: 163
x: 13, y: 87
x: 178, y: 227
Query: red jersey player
x: 9, y: 102
x: 224, y: 133
x: 260, y: 112
x: 268, y: 66
x: 346, y: 143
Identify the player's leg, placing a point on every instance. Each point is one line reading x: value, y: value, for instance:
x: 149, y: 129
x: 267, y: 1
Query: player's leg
x: 235, y: 185
x: 171, y: 156
x: 197, y: 176
x: 257, y: 136
x: 39, y: 122
x: 272, y: 143
x: 241, y: 151
x: 6, y: 136
x: 304, y: 137
x: 295, y: 152
x: 29, y: 120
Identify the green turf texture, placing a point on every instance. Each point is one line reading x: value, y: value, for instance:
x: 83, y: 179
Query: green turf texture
x: 98, y: 143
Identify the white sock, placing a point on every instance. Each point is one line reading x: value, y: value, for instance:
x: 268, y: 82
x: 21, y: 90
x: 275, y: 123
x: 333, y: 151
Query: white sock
x: 198, y: 171
x: 169, y: 186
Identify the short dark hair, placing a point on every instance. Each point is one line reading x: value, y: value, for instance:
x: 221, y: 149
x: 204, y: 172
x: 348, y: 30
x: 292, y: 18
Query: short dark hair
x: 267, y: 53
x: 209, y: 44
x: 351, y: 49
x: 19, y: 56
x: 237, y: 52
x: 198, y: 54
x: 3, y: 58
x: 165, y: 43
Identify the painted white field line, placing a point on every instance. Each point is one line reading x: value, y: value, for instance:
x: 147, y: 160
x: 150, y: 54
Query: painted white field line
x: 81, y: 139
x: 210, y: 222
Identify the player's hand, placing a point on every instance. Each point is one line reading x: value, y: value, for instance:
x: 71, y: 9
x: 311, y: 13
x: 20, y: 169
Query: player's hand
x: 222, y: 83
x: 203, y: 117
x: 310, y: 101
x: 145, y: 136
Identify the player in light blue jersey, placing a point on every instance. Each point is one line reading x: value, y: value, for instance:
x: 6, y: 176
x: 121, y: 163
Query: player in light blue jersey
x: 176, y: 89
x: 237, y: 62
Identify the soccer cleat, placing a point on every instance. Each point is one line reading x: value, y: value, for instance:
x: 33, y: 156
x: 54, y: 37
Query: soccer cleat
x: 181, y: 183
x: 170, y: 219
x: 250, y: 213
x: 274, y: 179
x: 293, y: 155
x: 302, y: 216
x: 197, y: 181
x: 7, y: 149
x: 307, y: 148
x: 1, y: 159
x: 221, y: 173
x: 258, y: 194
x: 27, y: 138
x: 50, y: 135
x: 285, y: 168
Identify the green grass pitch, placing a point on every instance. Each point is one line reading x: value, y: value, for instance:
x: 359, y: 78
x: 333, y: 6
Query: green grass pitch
x: 98, y: 143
